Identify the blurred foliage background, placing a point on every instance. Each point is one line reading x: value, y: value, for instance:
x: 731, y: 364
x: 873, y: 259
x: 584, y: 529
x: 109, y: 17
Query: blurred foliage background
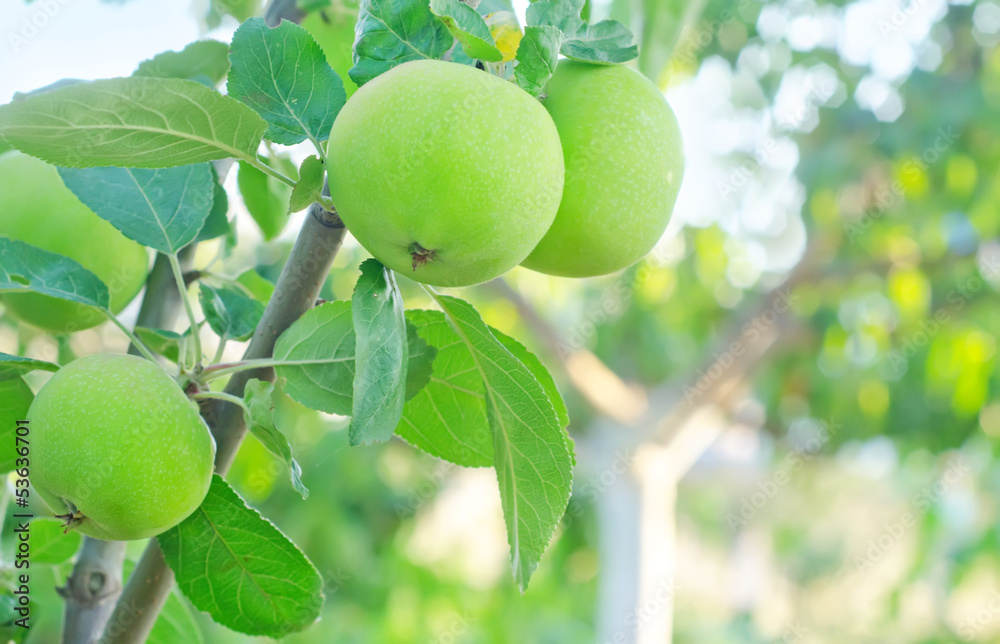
x: 785, y: 415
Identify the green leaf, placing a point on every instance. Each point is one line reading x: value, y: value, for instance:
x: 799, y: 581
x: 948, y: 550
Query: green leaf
x: 538, y: 370
x: 324, y: 333
x: 231, y: 313
x: 609, y: 42
x: 392, y: 32
x: 537, y: 57
x: 447, y: 417
x: 469, y: 28
x: 259, y: 414
x: 217, y: 224
x: 380, y: 355
x: 420, y: 364
x: 164, y: 209
x: 26, y: 268
x: 532, y: 456
x: 266, y: 199
x: 50, y: 544
x: 606, y: 42
x: 132, y: 123
x: 59, y: 84
x: 9, y: 631
x: 282, y: 73
x: 309, y: 188
x: 204, y: 61
x: 16, y: 366
x: 240, y: 569
x: 17, y: 398
x: 564, y: 14
x: 259, y: 287
x: 176, y: 623
x: 160, y: 341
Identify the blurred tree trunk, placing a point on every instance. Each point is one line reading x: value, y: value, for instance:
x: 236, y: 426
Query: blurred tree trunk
x: 619, y: 508
x: 657, y: 545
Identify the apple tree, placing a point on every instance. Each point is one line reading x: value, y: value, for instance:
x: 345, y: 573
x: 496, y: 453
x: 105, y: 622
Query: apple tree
x: 446, y: 163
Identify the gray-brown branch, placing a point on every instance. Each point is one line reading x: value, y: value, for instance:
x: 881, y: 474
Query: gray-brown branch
x: 92, y: 590
x: 136, y: 611
x: 296, y: 292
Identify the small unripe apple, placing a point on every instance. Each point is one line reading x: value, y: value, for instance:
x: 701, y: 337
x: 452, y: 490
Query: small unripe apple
x: 624, y: 164
x: 38, y: 209
x: 117, y: 449
x: 445, y: 173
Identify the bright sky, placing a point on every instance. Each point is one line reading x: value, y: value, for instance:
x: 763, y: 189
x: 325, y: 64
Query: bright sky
x: 47, y: 40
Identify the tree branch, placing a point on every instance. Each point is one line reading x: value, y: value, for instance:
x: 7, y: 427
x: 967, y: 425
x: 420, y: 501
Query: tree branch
x: 296, y: 292
x: 278, y: 10
x: 93, y: 587
x: 136, y: 610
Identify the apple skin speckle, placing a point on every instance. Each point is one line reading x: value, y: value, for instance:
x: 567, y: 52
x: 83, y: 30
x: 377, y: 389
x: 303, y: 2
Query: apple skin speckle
x: 113, y: 437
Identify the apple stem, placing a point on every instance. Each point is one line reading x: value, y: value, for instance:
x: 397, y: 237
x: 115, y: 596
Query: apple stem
x: 175, y: 265
x: 220, y: 350
x: 226, y: 368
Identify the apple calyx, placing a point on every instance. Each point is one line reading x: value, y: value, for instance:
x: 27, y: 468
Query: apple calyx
x: 71, y: 520
x: 421, y: 256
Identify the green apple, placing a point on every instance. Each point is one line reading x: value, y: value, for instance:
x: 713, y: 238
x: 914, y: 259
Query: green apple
x: 624, y: 164
x: 333, y: 29
x: 39, y: 210
x: 118, y: 449
x: 445, y: 173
